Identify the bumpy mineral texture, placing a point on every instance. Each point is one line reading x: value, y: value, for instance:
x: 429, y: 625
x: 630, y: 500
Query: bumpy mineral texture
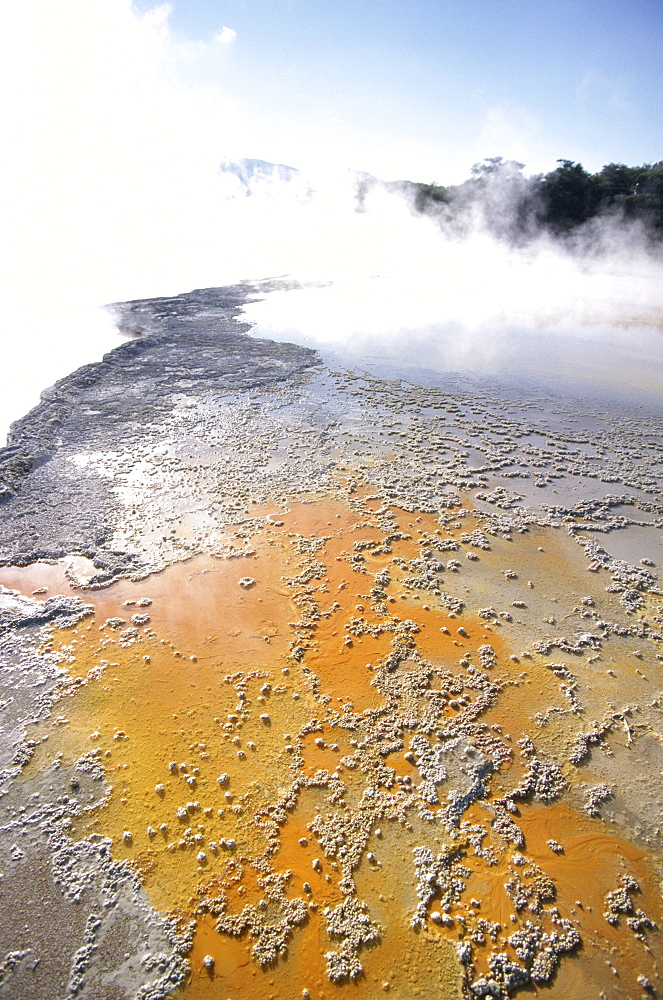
x: 321, y: 683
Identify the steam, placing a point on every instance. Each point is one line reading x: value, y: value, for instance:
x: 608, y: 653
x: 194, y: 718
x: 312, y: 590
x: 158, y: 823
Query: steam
x: 120, y: 180
x: 452, y: 291
x: 478, y: 305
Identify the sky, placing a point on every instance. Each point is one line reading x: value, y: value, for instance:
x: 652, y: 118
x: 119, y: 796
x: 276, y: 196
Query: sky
x: 420, y: 89
x: 115, y: 117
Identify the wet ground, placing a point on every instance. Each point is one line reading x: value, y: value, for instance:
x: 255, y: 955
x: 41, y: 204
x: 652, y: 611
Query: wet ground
x: 321, y: 683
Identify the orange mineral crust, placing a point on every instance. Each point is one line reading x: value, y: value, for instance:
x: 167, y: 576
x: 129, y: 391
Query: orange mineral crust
x: 351, y: 761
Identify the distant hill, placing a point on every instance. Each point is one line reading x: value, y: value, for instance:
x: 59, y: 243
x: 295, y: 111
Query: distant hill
x: 248, y: 171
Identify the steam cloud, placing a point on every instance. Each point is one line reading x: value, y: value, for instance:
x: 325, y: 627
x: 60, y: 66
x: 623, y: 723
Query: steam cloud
x: 120, y: 181
x: 405, y: 290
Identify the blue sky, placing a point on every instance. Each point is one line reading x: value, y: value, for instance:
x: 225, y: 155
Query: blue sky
x: 425, y: 88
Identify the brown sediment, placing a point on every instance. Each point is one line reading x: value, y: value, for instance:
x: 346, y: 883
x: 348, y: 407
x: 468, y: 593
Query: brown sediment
x: 275, y: 684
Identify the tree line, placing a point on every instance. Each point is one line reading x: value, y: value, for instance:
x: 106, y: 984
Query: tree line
x: 562, y: 202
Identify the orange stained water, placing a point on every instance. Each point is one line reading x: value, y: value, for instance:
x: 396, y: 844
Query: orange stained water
x: 589, y: 867
x: 404, y: 965
x: 208, y: 688
x: 166, y: 700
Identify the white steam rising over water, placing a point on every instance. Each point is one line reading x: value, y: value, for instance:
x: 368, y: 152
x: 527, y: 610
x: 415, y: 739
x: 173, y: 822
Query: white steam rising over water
x: 113, y: 188
x: 404, y: 292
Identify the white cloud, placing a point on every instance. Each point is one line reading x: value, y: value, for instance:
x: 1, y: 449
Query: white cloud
x: 226, y: 36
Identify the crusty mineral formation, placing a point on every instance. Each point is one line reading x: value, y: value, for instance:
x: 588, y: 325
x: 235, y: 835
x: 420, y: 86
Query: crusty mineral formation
x: 390, y: 722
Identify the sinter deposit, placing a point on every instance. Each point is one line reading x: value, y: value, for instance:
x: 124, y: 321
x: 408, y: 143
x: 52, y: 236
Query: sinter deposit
x: 320, y: 683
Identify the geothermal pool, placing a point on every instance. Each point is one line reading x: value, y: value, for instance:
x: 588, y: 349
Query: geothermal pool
x: 325, y: 681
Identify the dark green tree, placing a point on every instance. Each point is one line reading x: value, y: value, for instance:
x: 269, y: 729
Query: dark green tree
x: 514, y: 208
x: 569, y: 196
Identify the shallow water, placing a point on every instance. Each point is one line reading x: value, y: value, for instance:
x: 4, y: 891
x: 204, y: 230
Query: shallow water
x: 387, y: 613
x: 187, y: 689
